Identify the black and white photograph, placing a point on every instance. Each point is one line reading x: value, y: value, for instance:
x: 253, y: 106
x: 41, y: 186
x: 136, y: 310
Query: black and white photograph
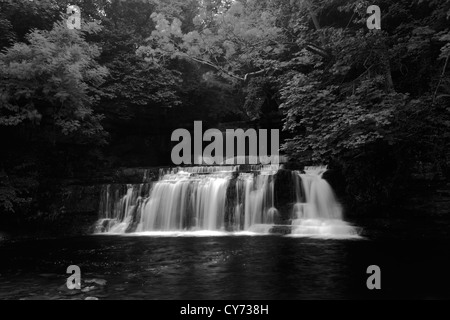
x: 224, y: 155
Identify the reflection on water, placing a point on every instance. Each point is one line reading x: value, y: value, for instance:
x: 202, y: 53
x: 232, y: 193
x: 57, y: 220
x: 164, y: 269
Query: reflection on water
x: 413, y: 257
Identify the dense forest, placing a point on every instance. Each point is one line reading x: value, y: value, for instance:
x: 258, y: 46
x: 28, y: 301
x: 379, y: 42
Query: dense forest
x: 372, y: 104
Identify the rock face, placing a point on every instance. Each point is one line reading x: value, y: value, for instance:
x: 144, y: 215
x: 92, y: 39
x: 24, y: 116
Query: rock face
x: 281, y: 229
x: 76, y: 207
x: 79, y: 199
x: 135, y: 175
x: 426, y: 200
x: 284, y: 194
x: 75, y: 210
x: 430, y: 193
x: 230, y: 204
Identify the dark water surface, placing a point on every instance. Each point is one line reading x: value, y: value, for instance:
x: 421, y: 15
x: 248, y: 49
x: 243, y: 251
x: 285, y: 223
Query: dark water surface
x: 414, y: 257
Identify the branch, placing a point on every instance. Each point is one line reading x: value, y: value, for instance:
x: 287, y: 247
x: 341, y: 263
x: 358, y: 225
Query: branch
x: 313, y: 15
x: 308, y: 46
x: 317, y: 50
x: 441, y: 77
x: 207, y: 63
x: 246, y: 77
x: 250, y: 75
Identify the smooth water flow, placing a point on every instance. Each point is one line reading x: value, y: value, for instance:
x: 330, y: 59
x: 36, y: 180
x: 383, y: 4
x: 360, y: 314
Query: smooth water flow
x: 226, y: 199
x: 320, y: 214
x: 184, y: 201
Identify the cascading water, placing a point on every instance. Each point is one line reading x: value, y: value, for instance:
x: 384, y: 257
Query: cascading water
x: 223, y: 198
x: 185, y: 201
x: 319, y: 214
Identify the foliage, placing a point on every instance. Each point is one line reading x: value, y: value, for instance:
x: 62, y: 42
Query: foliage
x: 19, y: 17
x: 53, y: 81
x: 233, y: 41
x: 371, y: 103
x: 48, y: 87
x: 132, y: 80
x: 349, y: 95
x: 376, y: 107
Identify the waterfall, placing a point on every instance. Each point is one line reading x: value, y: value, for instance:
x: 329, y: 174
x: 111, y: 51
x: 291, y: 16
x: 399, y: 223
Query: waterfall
x: 318, y: 213
x: 185, y: 201
x: 222, y: 198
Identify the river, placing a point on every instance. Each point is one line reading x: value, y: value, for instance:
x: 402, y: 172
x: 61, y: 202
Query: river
x: 412, y: 254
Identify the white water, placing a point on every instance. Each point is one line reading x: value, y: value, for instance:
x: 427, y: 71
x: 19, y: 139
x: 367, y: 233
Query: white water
x: 320, y: 215
x: 173, y: 198
x: 223, y: 200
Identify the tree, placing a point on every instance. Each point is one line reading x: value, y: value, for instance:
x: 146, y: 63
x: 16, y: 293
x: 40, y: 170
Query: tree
x: 19, y: 17
x: 341, y: 87
x: 374, y: 108
x: 132, y: 82
x: 53, y: 81
x: 238, y: 41
x: 48, y: 88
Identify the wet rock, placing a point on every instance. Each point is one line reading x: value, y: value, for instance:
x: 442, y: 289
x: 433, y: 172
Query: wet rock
x: 68, y: 292
x: 230, y: 206
x: 136, y: 175
x: 100, y: 282
x: 281, y: 229
x: 88, y: 289
x: 91, y: 298
x: 135, y: 217
x: 284, y: 194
